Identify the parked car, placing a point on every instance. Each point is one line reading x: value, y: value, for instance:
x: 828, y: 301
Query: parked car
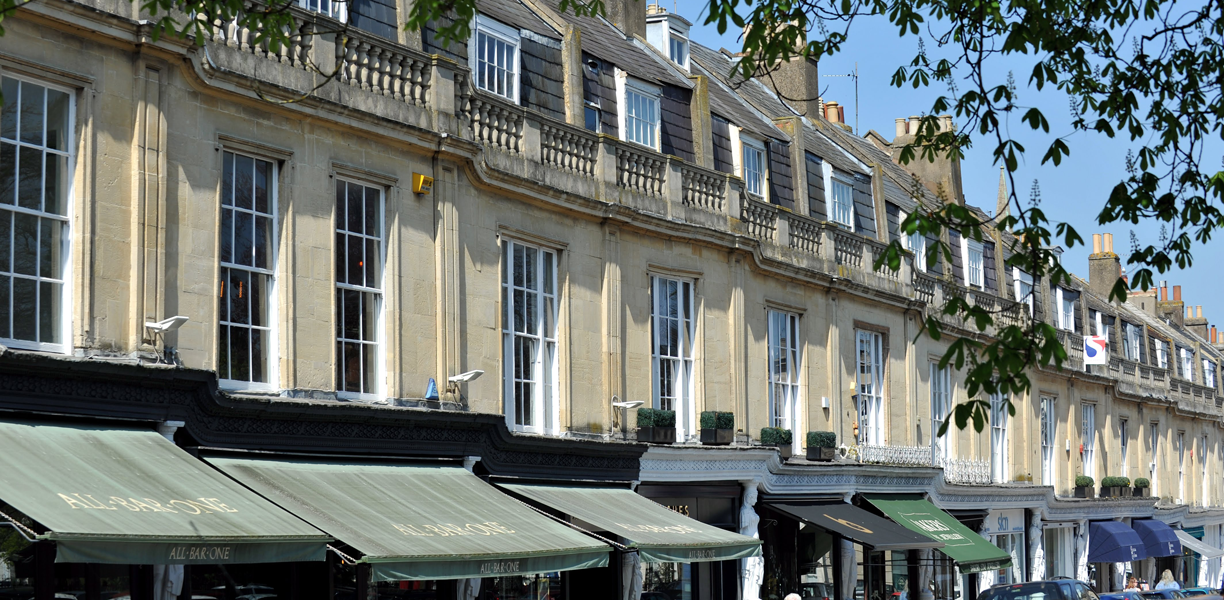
x: 816, y: 591
x: 1060, y: 589
x: 655, y: 596
x: 1198, y: 591
x: 1122, y: 595
x: 1163, y: 595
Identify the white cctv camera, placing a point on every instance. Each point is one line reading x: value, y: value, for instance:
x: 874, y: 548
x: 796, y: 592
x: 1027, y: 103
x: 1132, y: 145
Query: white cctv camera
x: 465, y: 377
x: 629, y: 404
x: 167, y: 325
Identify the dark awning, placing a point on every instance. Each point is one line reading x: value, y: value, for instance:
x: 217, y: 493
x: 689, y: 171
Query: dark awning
x: 130, y: 496
x: 970, y: 551
x: 1158, y: 538
x: 856, y: 524
x: 659, y: 534
x: 1113, y: 541
x: 419, y: 521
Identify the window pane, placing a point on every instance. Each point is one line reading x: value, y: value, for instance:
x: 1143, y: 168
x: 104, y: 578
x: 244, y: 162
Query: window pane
x: 55, y: 186
x: 244, y: 238
x: 57, y: 120
x: 244, y: 184
x: 25, y: 302
x: 259, y: 355
x: 30, y: 173
x: 262, y: 169
x: 25, y: 245
x: 8, y: 173
x: 49, y: 248
x: 239, y: 293
x: 32, y: 99
x: 8, y: 114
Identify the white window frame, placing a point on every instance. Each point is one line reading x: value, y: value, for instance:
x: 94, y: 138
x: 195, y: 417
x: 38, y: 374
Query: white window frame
x: 499, y: 32
x: 678, y: 360
x: 336, y: 9
x: 869, y: 350
x: 941, y: 406
x: 1049, y: 433
x: 1099, y: 323
x: 1132, y: 338
x: 841, y: 201
x: 1187, y: 359
x: 784, y: 367
x: 1181, y: 466
x: 1209, y: 375
x: 1021, y: 280
x: 66, y: 233
x: 999, y: 451
x: 1124, y: 445
x: 271, y: 293
x: 916, y: 243
x: 368, y: 293
x: 1162, y: 354
x: 541, y: 372
x: 975, y: 274
x: 633, y: 91
x: 1088, y: 437
x: 1204, y: 485
x: 1154, y: 450
x: 758, y: 178
x: 1066, y: 311
x: 678, y: 39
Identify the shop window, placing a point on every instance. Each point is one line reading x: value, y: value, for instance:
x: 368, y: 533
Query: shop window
x: 1013, y: 544
x: 36, y: 155
x: 783, y: 368
x: 248, y: 246
x: 1057, y: 543
x: 672, y: 331
x: 870, y: 387
x: 529, y: 337
x: 359, y: 280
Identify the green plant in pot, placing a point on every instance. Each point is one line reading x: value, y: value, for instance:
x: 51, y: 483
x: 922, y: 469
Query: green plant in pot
x: 1115, y: 487
x: 656, y: 426
x: 821, y: 445
x: 776, y: 436
x: 1085, y: 487
x: 717, y: 428
x: 1143, y: 487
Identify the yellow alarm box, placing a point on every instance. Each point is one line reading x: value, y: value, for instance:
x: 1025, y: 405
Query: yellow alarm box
x: 421, y: 184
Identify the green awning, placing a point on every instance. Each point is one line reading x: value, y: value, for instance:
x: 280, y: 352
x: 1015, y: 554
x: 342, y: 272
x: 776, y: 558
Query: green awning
x: 659, y: 534
x: 971, y: 551
x: 125, y: 496
x: 419, y: 522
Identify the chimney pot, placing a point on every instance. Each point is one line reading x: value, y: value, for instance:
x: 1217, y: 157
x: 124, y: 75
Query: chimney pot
x: 1177, y: 293
x: 1198, y: 311
x: 913, y: 125
x: 1096, y: 243
x: 1164, y: 294
x: 1108, y: 238
x: 945, y: 123
x: 900, y: 128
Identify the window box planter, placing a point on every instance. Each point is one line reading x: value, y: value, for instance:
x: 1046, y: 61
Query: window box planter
x: 1085, y: 487
x: 717, y: 428
x: 1115, y: 487
x: 656, y: 426
x: 1143, y: 488
x: 821, y: 446
x: 779, y: 438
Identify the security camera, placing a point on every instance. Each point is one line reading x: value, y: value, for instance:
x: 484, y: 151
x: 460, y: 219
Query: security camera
x: 465, y: 377
x: 629, y: 404
x: 167, y: 325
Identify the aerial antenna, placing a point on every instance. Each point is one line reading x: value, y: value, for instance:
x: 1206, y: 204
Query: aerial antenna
x: 855, y: 76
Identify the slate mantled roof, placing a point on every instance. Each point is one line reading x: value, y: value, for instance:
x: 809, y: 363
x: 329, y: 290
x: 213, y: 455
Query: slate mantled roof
x: 604, y: 41
x: 515, y: 14
x: 726, y: 104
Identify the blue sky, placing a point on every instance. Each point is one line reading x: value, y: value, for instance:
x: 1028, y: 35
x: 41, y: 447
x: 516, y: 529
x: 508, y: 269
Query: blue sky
x: 1073, y: 192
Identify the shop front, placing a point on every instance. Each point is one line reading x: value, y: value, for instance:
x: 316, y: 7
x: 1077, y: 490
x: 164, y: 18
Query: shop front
x: 1114, y: 551
x: 1006, y: 530
x: 1198, y: 555
x: 716, y: 506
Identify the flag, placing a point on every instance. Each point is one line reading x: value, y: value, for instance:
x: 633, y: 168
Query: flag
x: 1096, y: 350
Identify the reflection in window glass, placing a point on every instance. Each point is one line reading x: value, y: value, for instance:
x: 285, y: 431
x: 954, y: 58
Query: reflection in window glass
x: 675, y: 580
x: 35, y: 153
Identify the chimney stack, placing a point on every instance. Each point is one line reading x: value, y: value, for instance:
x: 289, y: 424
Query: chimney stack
x: 943, y: 174
x: 1196, y: 324
x: 796, y: 80
x: 628, y: 15
x: 1173, y: 309
x: 1103, y: 265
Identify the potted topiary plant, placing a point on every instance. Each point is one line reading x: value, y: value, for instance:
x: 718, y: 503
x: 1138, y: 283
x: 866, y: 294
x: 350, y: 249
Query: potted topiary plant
x: 781, y: 438
x: 821, y: 445
x: 717, y: 428
x: 1115, y: 487
x: 1143, y: 487
x: 656, y: 426
x: 1084, y: 487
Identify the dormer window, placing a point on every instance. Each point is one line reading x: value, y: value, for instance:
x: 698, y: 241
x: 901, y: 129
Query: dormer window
x: 1024, y: 289
x: 494, y: 59
x: 678, y: 49
x: 841, y: 194
x: 753, y: 161
x: 974, y: 275
x: 330, y: 8
x: 641, y: 115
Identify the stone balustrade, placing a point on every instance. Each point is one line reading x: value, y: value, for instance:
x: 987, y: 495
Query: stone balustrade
x: 383, y: 68
x: 702, y: 189
x: 496, y: 123
x: 568, y: 149
x: 805, y: 234
x: 639, y: 169
x: 760, y: 219
x: 847, y: 248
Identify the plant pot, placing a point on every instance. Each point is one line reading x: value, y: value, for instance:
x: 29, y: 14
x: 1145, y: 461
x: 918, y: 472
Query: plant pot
x: 1142, y: 492
x: 717, y: 437
x: 657, y: 435
x: 1085, y: 492
x: 785, y: 451
x: 1111, y: 492
x: 821, y: 454
x: 1126, y: 491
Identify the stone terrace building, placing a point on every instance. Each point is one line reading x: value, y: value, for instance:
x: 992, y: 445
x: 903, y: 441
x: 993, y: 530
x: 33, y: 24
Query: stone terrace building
x: 612, y: 218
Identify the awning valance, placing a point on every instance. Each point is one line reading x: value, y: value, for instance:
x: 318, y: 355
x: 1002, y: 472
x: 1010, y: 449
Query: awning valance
x: 856, y: 524
x: 659, y: 534
x: 419, y: 522
x: 1158, y: 538
x: 972, y: 552
x: 1198, y: 546
x: 128, y: 496
x: 1113, y: 541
